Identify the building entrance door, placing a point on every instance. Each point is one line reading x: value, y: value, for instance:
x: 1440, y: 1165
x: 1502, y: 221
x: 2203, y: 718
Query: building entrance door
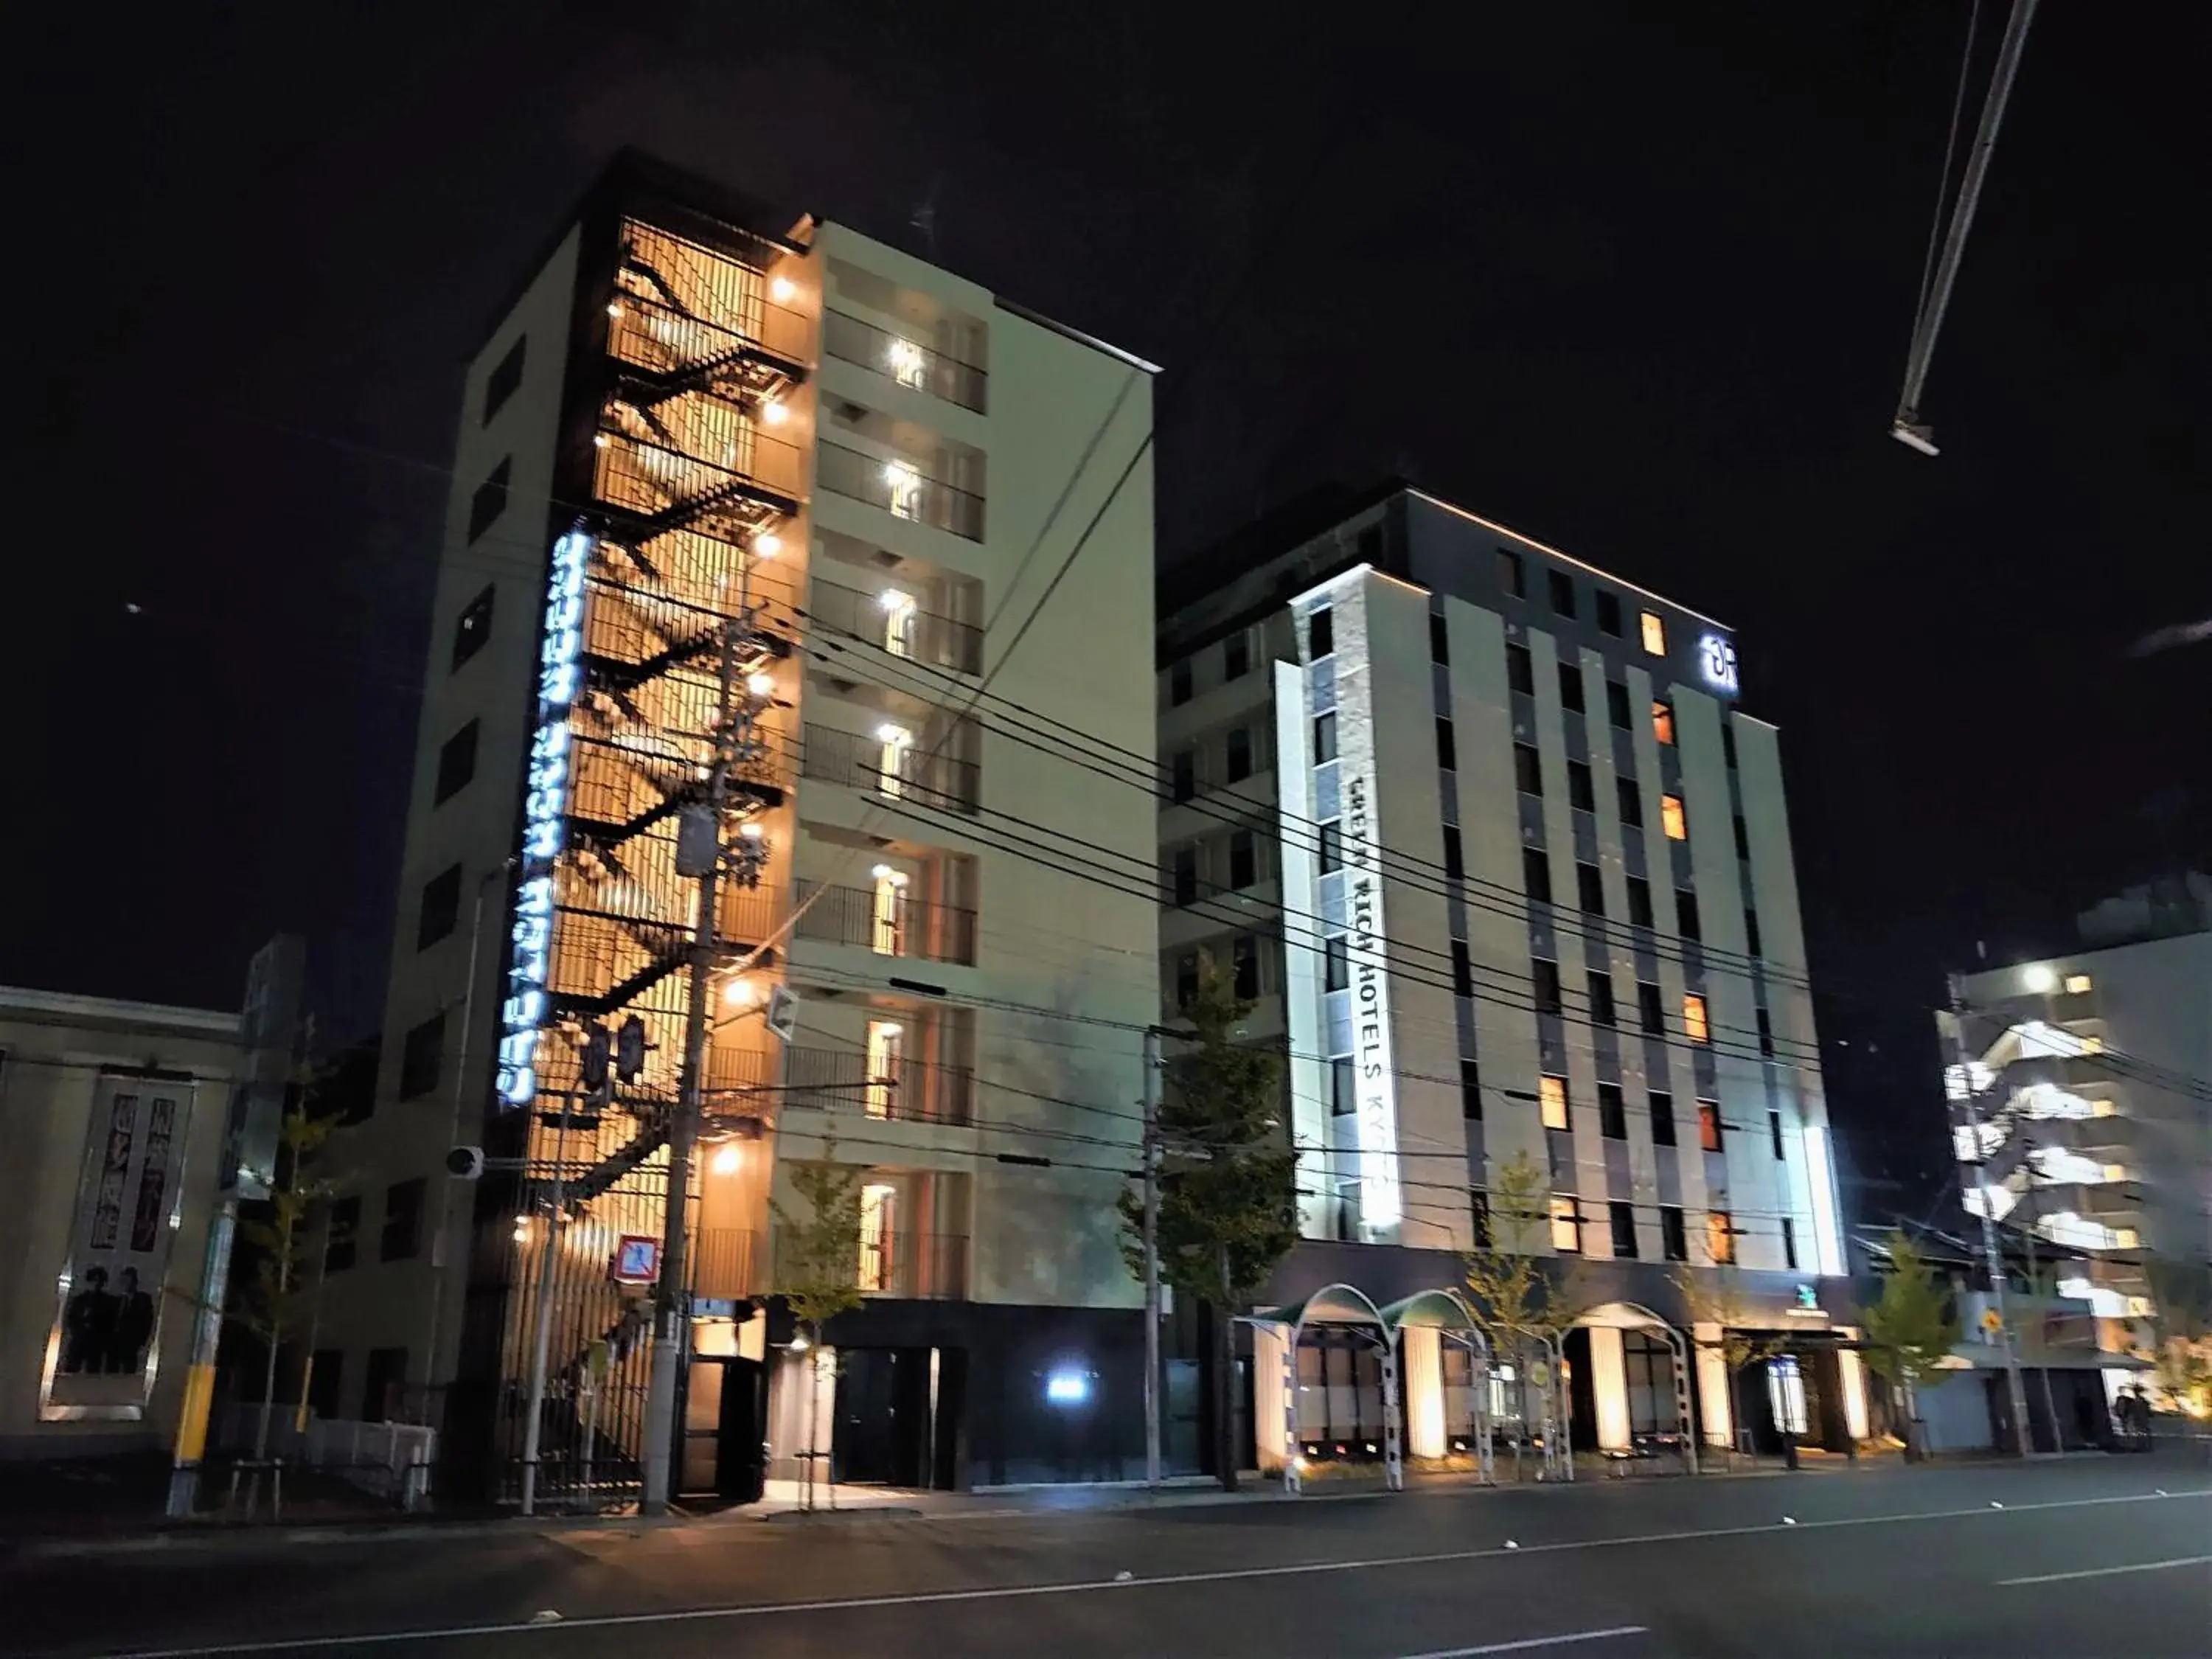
x: 882, y: 1435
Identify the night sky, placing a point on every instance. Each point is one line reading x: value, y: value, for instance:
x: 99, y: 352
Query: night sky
x: 1635, y: 280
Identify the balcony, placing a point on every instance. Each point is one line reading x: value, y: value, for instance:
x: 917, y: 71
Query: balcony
x: 912, y: 365
x: 885, y: 920
x: 909, y: 1266
x: 896, y: 1089
x: 900, y: 489
x: 891, y: 620
x: 894, y: 765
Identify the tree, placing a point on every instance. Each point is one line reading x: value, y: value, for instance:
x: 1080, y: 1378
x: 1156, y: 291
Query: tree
x: 1716, y: 1295
x: 1227, y: 1210
x: 2181, y: 1328
x: 1522, y: 1306
x: 1910, y: 1330
x: 818, y: 1265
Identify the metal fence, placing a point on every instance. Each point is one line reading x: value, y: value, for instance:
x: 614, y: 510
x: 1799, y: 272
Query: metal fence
x: 391, y: 1461
x: 914, y: 927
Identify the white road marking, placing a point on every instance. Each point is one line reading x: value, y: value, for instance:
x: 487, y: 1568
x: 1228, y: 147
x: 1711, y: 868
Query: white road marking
x: 1528, y: 1643
x: 1078, y: 1586
x: 2106, y: 1572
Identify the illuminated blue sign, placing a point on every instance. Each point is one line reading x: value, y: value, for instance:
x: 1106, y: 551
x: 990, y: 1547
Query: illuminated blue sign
x: 1717, y: 662
x: 544, y: 816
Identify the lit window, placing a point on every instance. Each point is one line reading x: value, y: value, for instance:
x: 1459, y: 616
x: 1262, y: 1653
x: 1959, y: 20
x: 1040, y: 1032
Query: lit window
x: 2115, y: 1172
x: 898, y: 621
x: 1671, y: 819
x: 890, y: 764
x: 1552, y: 1093
x: 2139, y: 1307
x: 1566, y: 1226
x: 904, y: 485
x: 1720, y: 1236
x: 2103, y: 1109
x: 2125, y: 1238
x: 1663, y: 721
x: 890, y: 929
x: 2093, y: 1045
x: 1655, y: 634
x: 1693, y: 1018
x: 876, y: 1203
x: 886, y: 1048
x: 907, y: 363
x: 1709, y: 1125
x: 2076, y: 984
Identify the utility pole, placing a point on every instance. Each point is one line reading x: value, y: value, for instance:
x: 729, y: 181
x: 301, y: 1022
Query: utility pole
x: 1992, y: 1252
x: 670, y: 1294
x: 1152, y: 1257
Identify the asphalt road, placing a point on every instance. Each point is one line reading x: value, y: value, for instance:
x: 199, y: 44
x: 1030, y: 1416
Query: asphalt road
x: 2081, y: 1558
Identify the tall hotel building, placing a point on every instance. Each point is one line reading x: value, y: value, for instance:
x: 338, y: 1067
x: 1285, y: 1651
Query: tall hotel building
x: 1484, y: 834
x: 693, y: 416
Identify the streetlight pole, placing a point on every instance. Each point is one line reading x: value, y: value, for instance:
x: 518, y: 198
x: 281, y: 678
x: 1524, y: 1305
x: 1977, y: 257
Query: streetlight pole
x: 1992, y: 1252
x: 1152, y: 1103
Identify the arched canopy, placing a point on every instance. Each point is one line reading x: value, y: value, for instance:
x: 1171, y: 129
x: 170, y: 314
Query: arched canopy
x: 1623, y: 1316
x: 1332, y: 1304
x: 1438, y: 1309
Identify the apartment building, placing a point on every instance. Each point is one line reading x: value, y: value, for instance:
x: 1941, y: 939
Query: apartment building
x: 1485, y: 835
x: 2080, y: 1109
x: 700, y: 429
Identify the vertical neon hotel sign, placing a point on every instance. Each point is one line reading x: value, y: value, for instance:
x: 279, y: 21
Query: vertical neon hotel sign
x: 545, y: 816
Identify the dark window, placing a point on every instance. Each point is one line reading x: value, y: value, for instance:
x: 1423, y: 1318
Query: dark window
x: 1447, y: 748
x: 1512, y: 574
x: 1612, y: 1112
x: 384, y: 1388
x: 1562, y: 594
x: 490, y: 498
x: 1462, y: 970
x: 1324, y: 738
x: 1616, y: 704
x: 326, y: 1382
x: 1608, y: 614
x: 1244, y: 859
x: 1650, y: 1008
x: 1766, y: 1033
x: 1244, y: 957
x: 1663, y: 1118
x: 1599, y: 986
x: 1520, y: 671
x: 1479, y: 1202
x: 441, y: 907
x: 1183, y: 774
x: 1709, y: 1125
x: 1631, y: 803
x: 1742, y: 838
x: 421, y: 1054
x: 1240, y: 754
x: 1728, y: 743
x: 1455, y: 859
x: 344, y: 1231
x: 403, y: 1221
x: 1582, y: 794
x: 1236, y: 656
x: 1186, y: 979
x: 1536, y: 873
x: 1751, y: 934
x: 1343, y: 1093
x: 457, y: 763
x: 1589, y: 888
x: 1623, y: 1230
x: 1789, y: 1244
x: 505, y: 378
x: 1570, y: 688
x: 1440, y: 639
x: 1321, y: 634
x: 1470, y: 1088
x: 1774, y: 1131
x: 1546, y: 977
x: 1185, y: 879
x: 1639, y: 901
x: 474, y: 627
x: 1179, y: 682
x: 1686, y: 914
x: 1674, y: 1235
x: 1335, y: 964
x: 1331, y: 854
x: 1527, y: 770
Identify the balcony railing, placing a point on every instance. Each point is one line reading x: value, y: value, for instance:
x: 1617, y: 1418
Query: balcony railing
x: 655, y: 482
x: 901, y: 1090
x: 907, y: 361
x: 858, y: 761
x: 910, y: 927
x: 900, y: 488
x: 924, y: 1266
x: 933, y: 640
x: 652, y: 335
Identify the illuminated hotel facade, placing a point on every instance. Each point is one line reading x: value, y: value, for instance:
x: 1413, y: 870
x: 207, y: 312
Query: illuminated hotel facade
x: 702, y: 430
x: 1484, y: 836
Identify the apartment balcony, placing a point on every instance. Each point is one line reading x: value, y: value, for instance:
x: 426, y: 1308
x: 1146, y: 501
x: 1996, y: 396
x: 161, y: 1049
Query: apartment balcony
x: 883, y: 918
x: 892, y: 762
x: 890, y: 1087
x: 900, y: 488
x: 910, y: 364
x: 906, y: 1266
x: 893, y: 621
